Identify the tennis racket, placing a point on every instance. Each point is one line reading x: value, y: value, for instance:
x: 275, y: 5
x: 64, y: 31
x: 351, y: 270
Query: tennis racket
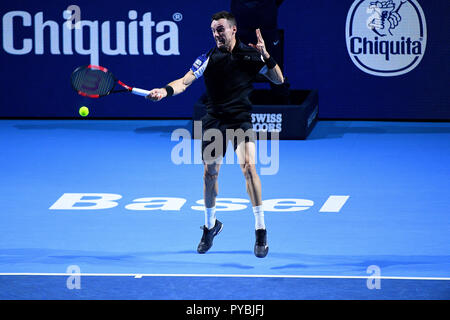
x: 96, y: 81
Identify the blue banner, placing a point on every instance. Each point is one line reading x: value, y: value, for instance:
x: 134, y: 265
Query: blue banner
x: 367, y: 59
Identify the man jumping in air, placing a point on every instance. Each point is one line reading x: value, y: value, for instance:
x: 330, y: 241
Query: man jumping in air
x: 228, y: 70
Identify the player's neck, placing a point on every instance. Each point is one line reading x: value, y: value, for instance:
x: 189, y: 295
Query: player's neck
x: 232, y: 45
x: 229, y: 48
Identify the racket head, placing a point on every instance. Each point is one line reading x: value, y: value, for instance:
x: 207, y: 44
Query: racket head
x: 92, y: 81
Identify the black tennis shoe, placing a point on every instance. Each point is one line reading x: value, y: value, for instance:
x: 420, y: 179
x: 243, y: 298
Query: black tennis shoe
x: 261, y: 247
x: 208, y: 235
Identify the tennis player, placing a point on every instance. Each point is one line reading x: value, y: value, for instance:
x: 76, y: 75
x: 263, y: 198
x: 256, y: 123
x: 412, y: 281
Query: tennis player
x: 228, y: 70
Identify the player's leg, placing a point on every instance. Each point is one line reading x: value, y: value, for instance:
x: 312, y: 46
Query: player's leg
x: 212, y: 155
x: 246, y: 156
x: 212, y: 225
x: 210, y: 191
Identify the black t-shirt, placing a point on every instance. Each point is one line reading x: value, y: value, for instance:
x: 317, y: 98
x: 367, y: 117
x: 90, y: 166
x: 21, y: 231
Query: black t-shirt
x: 228, y: 80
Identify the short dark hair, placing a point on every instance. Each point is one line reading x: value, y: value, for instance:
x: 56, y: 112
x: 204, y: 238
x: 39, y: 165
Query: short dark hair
x: 224, y: 15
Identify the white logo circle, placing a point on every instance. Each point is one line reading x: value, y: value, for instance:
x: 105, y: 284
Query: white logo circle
x: 177, y: 16
x: 386, y: 38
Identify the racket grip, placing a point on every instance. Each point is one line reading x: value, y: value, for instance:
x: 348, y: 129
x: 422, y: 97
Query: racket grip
x: 140, y: 92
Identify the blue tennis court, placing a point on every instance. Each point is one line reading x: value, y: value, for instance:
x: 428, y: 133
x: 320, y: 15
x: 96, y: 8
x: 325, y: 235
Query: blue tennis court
x: 98, y: 209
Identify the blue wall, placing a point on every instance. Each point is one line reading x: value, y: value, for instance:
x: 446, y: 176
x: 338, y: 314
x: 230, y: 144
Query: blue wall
x: 36, y: 83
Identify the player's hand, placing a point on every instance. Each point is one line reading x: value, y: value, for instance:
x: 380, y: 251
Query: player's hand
x: 157, y: 94
x: 260, y: 45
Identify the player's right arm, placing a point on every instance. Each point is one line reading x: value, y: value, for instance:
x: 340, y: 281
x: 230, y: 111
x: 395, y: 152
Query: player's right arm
x: 178, y: 86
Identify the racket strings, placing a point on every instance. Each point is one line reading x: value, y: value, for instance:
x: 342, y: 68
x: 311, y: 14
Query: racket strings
x: 92, y: 82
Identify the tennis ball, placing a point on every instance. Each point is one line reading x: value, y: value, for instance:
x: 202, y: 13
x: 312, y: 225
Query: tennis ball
x: 84, y: 111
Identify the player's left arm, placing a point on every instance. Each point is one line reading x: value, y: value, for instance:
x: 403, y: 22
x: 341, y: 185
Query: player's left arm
x: 273, y: 71
x: 275, y: 74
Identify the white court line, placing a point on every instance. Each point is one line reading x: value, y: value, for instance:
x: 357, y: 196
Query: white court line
x: 141, y: 275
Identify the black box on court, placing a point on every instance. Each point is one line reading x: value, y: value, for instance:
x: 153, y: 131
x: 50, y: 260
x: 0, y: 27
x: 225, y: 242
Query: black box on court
x: 293, y: 119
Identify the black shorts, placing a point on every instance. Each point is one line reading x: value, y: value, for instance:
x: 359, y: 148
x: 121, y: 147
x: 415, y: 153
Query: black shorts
x: 212, y: 150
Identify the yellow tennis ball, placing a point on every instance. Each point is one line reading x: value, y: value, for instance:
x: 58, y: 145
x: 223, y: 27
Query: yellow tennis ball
x: 84, y: 111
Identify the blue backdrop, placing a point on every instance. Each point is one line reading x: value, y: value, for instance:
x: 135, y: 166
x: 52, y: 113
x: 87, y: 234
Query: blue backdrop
x: 151, y: 43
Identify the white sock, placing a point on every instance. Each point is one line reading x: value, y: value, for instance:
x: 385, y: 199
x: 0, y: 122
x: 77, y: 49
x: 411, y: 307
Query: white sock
x: 210, y: 217
x: 259, y: 217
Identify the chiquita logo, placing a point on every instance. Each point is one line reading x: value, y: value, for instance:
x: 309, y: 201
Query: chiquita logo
x: 386, y: 38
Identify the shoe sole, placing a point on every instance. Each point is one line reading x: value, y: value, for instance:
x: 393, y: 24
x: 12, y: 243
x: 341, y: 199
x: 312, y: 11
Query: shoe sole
x: 265, y: 254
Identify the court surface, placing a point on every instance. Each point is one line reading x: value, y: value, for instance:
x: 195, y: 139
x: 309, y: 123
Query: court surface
x: 359, y: 210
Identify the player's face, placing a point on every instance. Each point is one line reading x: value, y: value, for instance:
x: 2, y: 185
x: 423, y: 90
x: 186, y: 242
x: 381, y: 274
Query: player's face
x: 223, y: 33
